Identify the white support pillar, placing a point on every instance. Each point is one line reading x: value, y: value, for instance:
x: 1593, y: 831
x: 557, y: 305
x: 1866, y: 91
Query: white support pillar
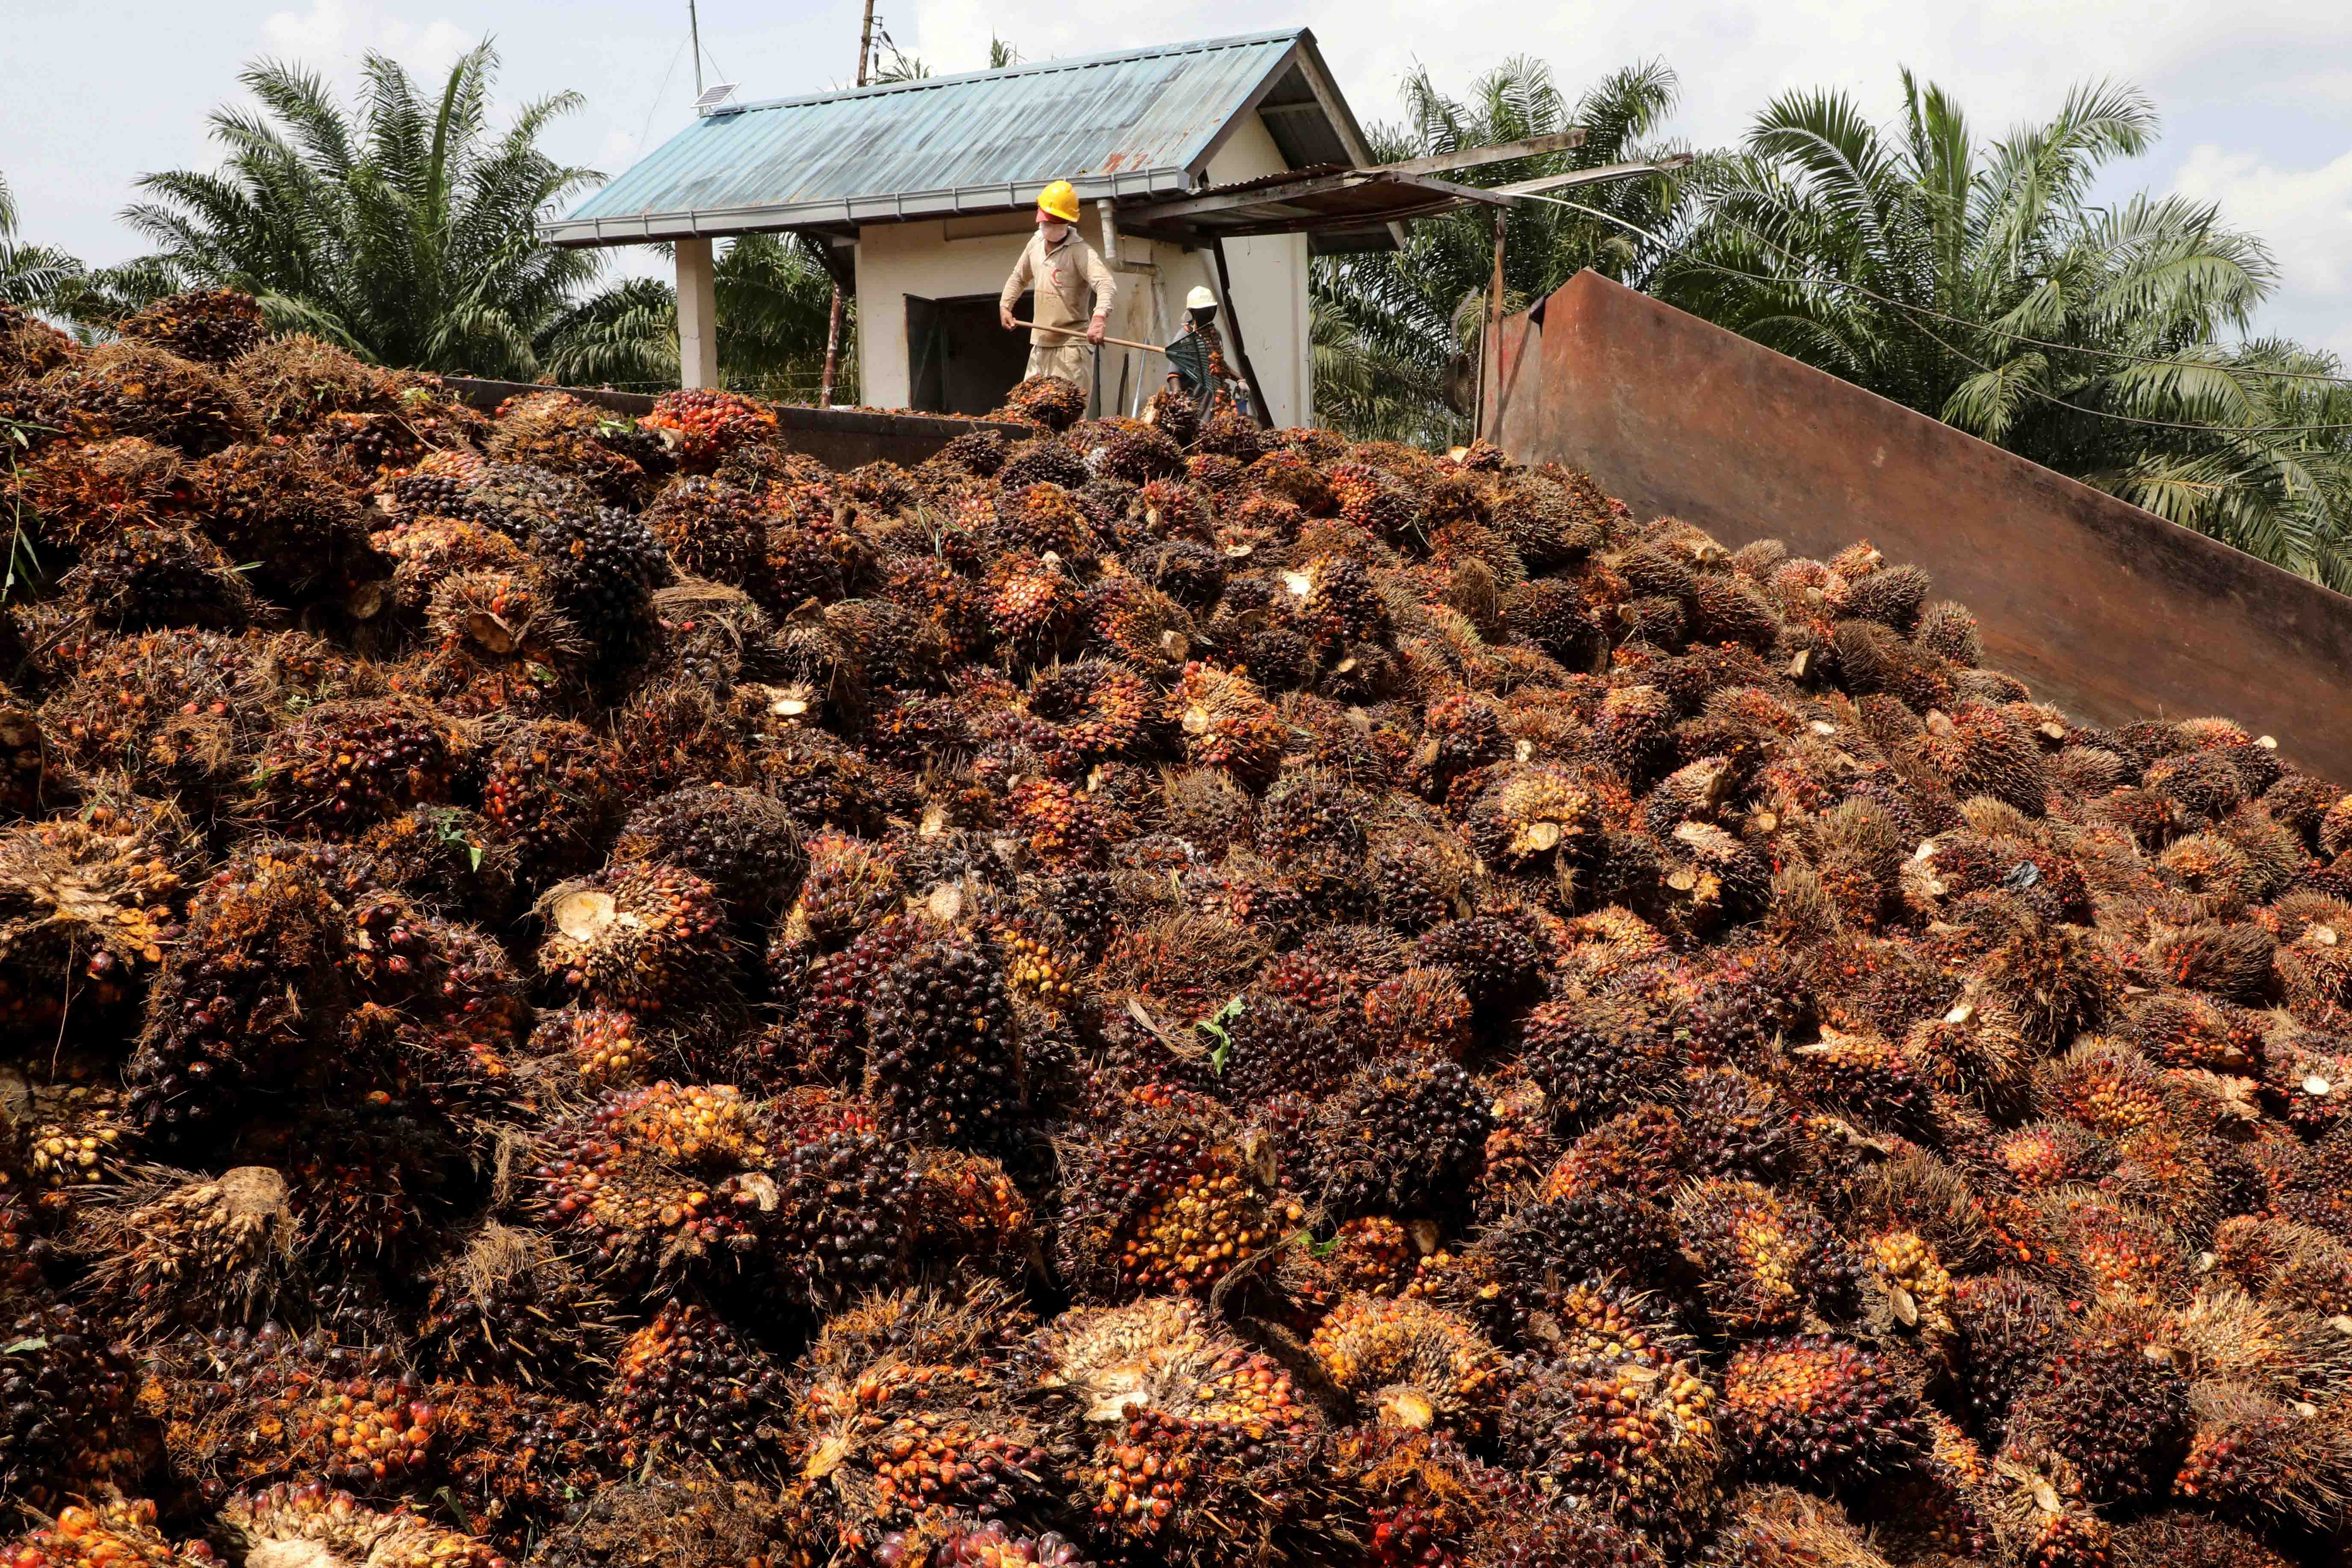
x: 698, y: 314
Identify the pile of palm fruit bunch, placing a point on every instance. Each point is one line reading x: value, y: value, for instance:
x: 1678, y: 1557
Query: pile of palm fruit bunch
x: 581, y: 992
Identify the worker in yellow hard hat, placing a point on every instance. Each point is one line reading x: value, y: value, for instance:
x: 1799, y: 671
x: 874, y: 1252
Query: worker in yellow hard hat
x: 1063, y: 271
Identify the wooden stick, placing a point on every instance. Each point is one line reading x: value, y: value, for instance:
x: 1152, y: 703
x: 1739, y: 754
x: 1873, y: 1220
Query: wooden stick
x: 1080, y: 332
x: 1240, y: 349
x: 1487, y: 385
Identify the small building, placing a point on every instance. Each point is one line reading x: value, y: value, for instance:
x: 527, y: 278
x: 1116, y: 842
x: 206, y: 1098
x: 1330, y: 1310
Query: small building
x: 922, y: 194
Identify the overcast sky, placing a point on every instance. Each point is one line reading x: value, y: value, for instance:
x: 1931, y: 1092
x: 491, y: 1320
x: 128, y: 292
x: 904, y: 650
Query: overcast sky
x: 2256, y: 95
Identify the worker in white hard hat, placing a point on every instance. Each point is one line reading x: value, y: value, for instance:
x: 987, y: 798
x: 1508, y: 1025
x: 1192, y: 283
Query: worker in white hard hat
x: 1201, y: 305
x: 1063, y: 271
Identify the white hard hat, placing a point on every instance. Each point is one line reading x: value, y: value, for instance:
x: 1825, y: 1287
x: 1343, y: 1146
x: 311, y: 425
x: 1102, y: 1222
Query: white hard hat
x: 1200, y: 298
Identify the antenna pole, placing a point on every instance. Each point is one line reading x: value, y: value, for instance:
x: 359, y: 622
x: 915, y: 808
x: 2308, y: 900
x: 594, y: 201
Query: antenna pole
x: 694, y: 28
x: 833, y: 326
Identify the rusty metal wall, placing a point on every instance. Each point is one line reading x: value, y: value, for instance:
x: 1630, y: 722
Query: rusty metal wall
x: 837, y: 438
x: 2106, y: 610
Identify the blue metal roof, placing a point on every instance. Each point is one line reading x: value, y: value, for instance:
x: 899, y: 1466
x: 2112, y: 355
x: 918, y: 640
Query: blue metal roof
x: 1140, y: 121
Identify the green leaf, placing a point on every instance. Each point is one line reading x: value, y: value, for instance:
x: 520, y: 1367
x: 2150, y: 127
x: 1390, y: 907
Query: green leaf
x: 1214, y: 1026
x: 474, y: 856
x: 37, y: 1342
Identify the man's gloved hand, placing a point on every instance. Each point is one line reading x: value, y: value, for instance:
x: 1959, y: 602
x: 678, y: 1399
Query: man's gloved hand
x: 1004, y: 314
x: 1095, y: 332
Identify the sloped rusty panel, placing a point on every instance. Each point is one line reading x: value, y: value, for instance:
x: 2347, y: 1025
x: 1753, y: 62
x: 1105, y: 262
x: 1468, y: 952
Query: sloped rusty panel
x: 2105, y: 609
x: 1058, y: 119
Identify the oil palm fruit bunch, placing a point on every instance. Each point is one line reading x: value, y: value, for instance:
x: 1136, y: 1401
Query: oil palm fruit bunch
x: 687, y: 1384
x: 507, y: 1307
x: 548, y: 790
x: 88, y: 904
x: 270, y: 509
x: 1166, y: 1199
x: 908, y: 1421
x: 262, y: 1406
x: 198, y: 1251
x: 745, y: 844
x: 943, y: 1059
x: 1123, y: 991
x: 1633, y: 1435
x: 145, y: 578
x: 312, y: 1520
x: 708, y: 425
x: 1197, y: 1442
x: 641, y: 938
x: 101, y: 1533
x: 659, y: 1178
x: 344, y: 766
x: 68, y: 1423
x: 849, y: 1204
x: 137, y: 389
x: 249, y: 989
x: 1408, y: 1363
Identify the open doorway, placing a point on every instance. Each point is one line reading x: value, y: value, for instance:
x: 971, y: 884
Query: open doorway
x: 958, y: 360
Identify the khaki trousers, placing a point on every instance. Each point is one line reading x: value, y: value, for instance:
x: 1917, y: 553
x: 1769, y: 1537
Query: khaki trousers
x: 1066, y: 358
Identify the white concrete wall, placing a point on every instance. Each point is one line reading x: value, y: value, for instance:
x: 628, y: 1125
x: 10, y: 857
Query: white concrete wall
x: 945, y: 259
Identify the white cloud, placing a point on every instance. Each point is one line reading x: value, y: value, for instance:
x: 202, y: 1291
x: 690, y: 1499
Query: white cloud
x: 2304, y: 214
x: 344, y: 30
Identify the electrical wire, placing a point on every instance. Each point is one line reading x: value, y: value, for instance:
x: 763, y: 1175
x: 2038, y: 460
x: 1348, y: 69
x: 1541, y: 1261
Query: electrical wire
x: 1956, y: 352
x: 2041, y: 343
x: 654, y: 107
x: 1996, y: 331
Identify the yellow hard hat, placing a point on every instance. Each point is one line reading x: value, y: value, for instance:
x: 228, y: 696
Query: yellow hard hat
x: 1060, y: 200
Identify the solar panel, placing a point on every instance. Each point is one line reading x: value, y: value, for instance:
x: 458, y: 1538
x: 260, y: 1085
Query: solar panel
x: 714, y: 97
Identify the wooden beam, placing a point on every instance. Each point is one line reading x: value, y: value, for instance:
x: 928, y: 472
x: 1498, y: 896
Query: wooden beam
x: 1149, y: 212
x: 1593, y: 176
x: 1143, y: 214
x: 1473, y: 157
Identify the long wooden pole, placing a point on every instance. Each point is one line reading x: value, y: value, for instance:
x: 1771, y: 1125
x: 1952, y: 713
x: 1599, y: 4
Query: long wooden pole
x: 1493, y: 335
x: 1080, y: 332
x: 833, y: 326
x: 1240, y: 349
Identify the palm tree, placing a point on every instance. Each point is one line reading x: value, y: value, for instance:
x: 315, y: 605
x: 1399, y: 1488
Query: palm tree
x: 1975, y: 282
x: 401, y: 229
x: 1395, y: 334
x: 774, y: 301
x: 30, y: 275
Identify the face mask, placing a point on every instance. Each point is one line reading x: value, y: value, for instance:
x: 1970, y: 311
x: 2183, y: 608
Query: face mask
x: 1053, y: 232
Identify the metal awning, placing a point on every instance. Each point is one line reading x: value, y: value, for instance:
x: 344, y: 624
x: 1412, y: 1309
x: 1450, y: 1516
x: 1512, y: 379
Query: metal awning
x: 1342, y: 210
x: 1345, y: 209
x: 1136, y: 122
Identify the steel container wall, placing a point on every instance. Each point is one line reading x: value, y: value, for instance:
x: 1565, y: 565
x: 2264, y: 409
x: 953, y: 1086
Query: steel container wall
x: 2107, y: 610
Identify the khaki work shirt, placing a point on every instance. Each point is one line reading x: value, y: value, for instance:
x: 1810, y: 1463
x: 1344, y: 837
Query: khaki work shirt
x: 1062, y: 278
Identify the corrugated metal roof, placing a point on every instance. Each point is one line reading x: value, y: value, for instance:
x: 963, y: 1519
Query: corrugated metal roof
x: 1141, y: 121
